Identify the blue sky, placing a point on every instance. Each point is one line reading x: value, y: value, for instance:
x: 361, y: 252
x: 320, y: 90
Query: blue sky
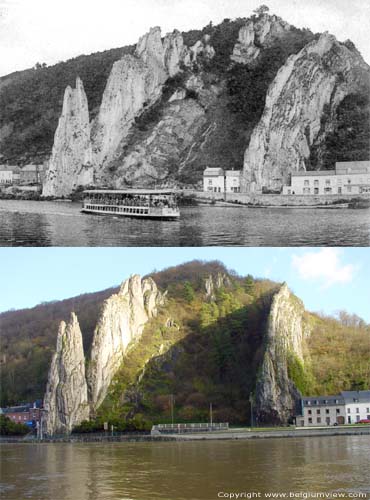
x: 326, y: 279
x: 51, y: 31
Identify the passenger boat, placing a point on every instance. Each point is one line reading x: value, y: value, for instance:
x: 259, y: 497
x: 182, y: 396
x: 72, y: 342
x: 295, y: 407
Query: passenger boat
x: 140, y: 203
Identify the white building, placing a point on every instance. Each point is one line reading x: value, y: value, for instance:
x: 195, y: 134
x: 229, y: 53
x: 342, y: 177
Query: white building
x: 6, y: 175
x: 347, y: 178
x: 218, y: 180
x: 357, y: 405
x: 348, y: 407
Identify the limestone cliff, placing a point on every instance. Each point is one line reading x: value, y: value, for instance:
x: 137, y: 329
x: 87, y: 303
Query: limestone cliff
x: 122, y: 321
x: 214, y: 282
x: 71, y: 162
x: 135, y: 83
x: 276, y: 394
x: 65, y: 401
x: 256, y: 35
x: 311, y: 83
x: 160, y: 152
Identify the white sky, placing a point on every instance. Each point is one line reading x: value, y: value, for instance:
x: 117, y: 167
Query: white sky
x: 54, y: 30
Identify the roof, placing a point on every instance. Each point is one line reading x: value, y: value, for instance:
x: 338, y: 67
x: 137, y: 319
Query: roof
x: 213, y: 171
x: 17, y: 409
x: 356, y: 396
x: 8, y: 168
x: 322, y: 400
x: 130, y: 191
x: 230, y: 173
x: 353, y: 167
x: 315, y: 173
x: 31, y: 168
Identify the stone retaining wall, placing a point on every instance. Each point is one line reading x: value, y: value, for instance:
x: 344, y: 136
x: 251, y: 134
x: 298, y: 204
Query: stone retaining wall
x: 271, y: 200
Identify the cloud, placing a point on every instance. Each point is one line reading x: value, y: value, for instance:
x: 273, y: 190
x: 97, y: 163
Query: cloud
x: 324, y: 265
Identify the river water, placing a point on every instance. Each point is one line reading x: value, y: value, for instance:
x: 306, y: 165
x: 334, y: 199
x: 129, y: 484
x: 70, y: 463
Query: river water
x: 186, y: 470
x: 31, y: 223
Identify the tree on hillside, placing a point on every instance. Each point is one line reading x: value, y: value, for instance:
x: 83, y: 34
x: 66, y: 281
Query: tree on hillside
x: 262, y: 9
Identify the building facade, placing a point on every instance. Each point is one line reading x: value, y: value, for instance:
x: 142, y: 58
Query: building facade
x: 218, y: 180
x: 25, y: 414
x: 31, y: 174
x: 347, y: 178
x: 348, y: 407
x: 6, y: 175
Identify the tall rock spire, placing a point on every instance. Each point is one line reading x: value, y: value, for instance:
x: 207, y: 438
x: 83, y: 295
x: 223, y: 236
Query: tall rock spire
x: 71, y: 162
x: 122, y: 321
x: 309, y: 85
x: 65, y: 399
x: 276, y: 394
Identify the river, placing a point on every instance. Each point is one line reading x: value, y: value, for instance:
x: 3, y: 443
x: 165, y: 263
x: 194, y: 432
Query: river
x: 186, y: 470
x: 32, y: 223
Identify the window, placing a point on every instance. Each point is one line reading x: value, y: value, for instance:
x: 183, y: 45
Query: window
x: 310, y: 420
x: 308, y: 402
x: 210, y: 182
x: 306, y: 183
x: 348, y: 410
x: 337, y: 410
x: 357, y: 410
x: 368, y: 410
x: 316, y: 402
x: 318, y: 412
x: 327, y: 182
x: 316, y: 182
x: 357, y: 418
x: 327, y: 411
x: 319, y: 420
x: 310, y: 412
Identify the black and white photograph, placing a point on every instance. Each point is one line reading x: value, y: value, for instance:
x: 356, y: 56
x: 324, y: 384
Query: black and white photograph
x: 185, y: 249
x: 184, y: 123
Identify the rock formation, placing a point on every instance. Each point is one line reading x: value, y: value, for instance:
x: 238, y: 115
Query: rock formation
x: 255, y: 35
x: 65, y: 401
x: 214, y: 282
x: 156, y: 156
x: 201, y: 48
x: 276, y: 394
x: 134, y: 84
x: 122, y: 321
x: 310, y: 83
x: 71, y: 162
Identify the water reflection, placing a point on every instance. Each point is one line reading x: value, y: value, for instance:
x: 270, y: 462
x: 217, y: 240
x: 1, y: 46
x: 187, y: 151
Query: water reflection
x: 62, y: 224
x: 185, y: 470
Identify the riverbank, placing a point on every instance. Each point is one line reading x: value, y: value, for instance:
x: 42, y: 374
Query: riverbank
x: 278, y: 200
x: 231, y: 434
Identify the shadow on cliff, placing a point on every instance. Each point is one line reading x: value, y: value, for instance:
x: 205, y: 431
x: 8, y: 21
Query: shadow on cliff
x: 215, y: 363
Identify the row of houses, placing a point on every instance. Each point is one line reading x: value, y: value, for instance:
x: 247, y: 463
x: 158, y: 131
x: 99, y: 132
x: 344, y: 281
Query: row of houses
x: 347, y: 178
x: 28, y: 414
x: 29, y: 174
x: 351, y: 177
x: 348, y: 407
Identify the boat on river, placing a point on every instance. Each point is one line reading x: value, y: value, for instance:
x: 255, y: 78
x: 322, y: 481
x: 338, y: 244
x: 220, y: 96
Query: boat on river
x: 138, y: 203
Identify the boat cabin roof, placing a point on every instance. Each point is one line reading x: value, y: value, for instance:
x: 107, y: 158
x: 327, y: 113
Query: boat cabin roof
x: 132, y: 191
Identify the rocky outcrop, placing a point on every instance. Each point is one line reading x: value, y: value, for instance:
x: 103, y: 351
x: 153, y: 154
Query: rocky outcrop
x: 214, y: 282
x: 134, y: 84
x: 65, y: 402
x: 121, y: 323
x: 311, y: 83
x: 256, y: 35
x: 276, y: 394
x: 159, y: 154
x: 202, y: 48
x: 71, y: 162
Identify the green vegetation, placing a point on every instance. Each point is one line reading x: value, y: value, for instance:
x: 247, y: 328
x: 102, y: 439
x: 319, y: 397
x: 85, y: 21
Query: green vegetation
x: 339, y: 351
x: 10, y: 428
x: 28, y: 339
x: 198, y: 350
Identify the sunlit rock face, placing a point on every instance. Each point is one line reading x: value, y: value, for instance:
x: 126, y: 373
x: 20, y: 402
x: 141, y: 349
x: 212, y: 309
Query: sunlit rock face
x: 276, y: 394
x: 71, y: 162
x: 134, y: 84
x: 215, y: 282
x: 66, y: 398
x: 310, y: 83
x: 121, y: 323
x: 256, y: 35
